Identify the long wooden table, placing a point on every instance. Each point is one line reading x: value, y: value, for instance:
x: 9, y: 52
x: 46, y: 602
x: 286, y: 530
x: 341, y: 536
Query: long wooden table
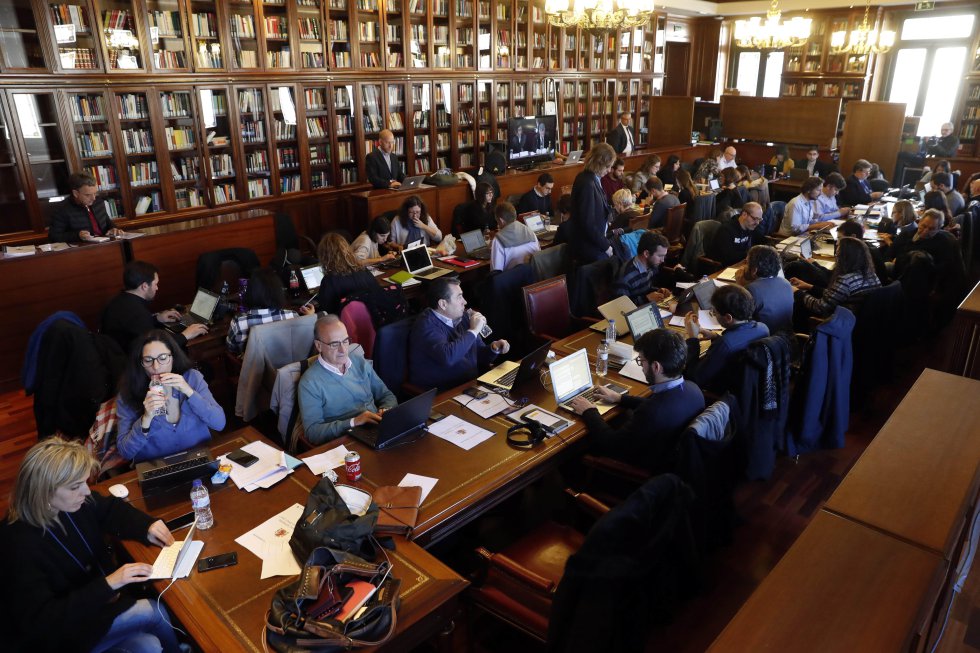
x: 224, y: 610
x: 963, y: 354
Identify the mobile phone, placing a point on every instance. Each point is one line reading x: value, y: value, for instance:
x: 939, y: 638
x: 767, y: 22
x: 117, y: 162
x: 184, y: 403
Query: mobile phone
x: 476, y: 393
x: 183, y: 521
x: 217, y: 562
x: 436, y: 416
x: 243, y: 458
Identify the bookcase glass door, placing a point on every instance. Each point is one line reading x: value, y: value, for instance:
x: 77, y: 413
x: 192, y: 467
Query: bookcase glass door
x: 568, y: 117
x: 503, y: 21
x: 255, y: 141
x: 484, y: 36
x: 465, y: 43
x: 205, y: 40
x: 343, y: 106
x: 316, y: 108
x: 284, y: 123
x: 503, y: 95
x: 120, y: 34
x: 168, y: 43
x: 14, y: 215
x: 484, y: 103
x: 444, y: 108
x: 419, y: 38
x: 339, y: 34
x: 394, y: 35
x: 73, y: 29
x: 395, y: 95
x: 20, y: 45
x: 241, y: 28
x: 218, y: 148
x: 94, y: 146
x: 465, y: 124
x: 277, y: 33
x: 139, y: 152
x: 183, y: 148
x: 37, y: 122
x: 422, y: 127
x: 368, y: 22
x: 441, y: 54
x: 312, y: 51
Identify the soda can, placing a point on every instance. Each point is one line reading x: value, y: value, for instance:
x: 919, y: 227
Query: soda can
x: 352, y: 463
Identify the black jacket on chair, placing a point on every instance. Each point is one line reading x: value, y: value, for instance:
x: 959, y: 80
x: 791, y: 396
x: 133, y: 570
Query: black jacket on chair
x: 763, y: 399
x: 378, y: 172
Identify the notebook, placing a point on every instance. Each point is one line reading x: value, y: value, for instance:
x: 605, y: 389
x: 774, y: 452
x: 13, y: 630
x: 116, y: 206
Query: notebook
x: 615, y: 310
x: 312, y: 276
x: 419, y: 263
x: 175, y: 561
x: 571, y: 377
x: 398, y: 423
x: 507, y: 374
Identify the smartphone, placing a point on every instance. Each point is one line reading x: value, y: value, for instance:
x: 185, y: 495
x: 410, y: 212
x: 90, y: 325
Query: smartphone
x: 183, y: 521
x: 217, y: 562
x: 476, y: 393
x: 243, y: 458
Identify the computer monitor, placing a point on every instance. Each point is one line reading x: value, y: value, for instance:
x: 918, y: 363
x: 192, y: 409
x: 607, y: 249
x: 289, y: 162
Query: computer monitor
x: 531, y: 139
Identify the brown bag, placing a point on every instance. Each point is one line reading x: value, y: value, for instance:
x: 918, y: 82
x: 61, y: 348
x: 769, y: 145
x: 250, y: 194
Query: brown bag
x: 399, y: 509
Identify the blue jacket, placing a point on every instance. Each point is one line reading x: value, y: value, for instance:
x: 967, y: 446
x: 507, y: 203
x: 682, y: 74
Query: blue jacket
x: 773, y: 298
x: 198, y: 414
x: 713, y: 371
x: 443, y: 357
x: 590, y: 215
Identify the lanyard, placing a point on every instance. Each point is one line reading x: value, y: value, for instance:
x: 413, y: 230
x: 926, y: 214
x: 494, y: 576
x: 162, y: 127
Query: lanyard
x: 84, y: 541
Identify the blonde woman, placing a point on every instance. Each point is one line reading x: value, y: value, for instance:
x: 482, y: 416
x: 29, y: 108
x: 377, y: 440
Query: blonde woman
x: 69, y: 593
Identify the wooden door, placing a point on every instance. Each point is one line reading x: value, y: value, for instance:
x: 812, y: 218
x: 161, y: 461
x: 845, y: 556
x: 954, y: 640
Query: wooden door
x: 678, y: 65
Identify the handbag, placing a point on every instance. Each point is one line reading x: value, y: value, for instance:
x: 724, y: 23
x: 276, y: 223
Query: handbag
x: 302, y: 616
x: 328, y: 521
x: 398, y: 509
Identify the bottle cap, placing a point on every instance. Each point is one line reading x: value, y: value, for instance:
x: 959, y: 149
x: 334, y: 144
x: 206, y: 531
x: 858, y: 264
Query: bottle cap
x: 196, y: 483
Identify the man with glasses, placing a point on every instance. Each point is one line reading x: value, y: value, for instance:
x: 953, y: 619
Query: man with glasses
x: 858, y: 190
x: 82, y: 215
x: 648, y: 436
x: 340, y: 390
x: 734, y: 237
x: 383, y: 168
x: 538, y: 198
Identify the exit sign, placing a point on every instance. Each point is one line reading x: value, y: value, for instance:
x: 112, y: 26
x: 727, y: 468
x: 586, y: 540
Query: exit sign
x: 925, y: 5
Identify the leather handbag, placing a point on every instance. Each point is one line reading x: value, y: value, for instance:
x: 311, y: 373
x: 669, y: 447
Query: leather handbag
x: 328, y: 521
x: 398, y: 509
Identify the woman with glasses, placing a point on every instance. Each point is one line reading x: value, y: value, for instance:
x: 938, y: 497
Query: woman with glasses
x: 164, y: 405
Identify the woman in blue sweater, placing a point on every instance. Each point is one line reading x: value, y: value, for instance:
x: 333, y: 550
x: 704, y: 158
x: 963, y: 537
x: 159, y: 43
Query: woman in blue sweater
x: 154, y: 423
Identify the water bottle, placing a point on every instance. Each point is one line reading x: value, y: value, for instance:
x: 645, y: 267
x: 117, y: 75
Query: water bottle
x: 201, y: 502
x: 610, y: 333
x: 602, y: 359
x: 158, y: 388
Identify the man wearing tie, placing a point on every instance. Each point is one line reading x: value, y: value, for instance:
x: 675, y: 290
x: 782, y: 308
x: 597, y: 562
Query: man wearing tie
x: 858, y: 190
x: 383, y: 168
x: 802, y: 213
x: 621, y: 138
x: 82, y: 216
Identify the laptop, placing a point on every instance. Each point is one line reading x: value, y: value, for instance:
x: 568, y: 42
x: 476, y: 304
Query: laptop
x: 571, y: 377
x: 312, y: 276
x: 475, y: 245
x: 202, y: 310
x: 171, y: 559
x: 799, y: 174
x: 160, y: 474
x: 535, y: 223
x: 507, y: 374
x: 411, y: 182
x: 701, y: 291
x: 573, y: 157
x: 615, y: 310
x: 398, y: 423
x: 643, y: 319
x: 419, y: 263
x: 714, y: 185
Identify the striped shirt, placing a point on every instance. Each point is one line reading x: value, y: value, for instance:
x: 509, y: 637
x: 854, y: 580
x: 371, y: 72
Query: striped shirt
x: 635, y: 282
x: 844, y: 289
x: 238, y: 330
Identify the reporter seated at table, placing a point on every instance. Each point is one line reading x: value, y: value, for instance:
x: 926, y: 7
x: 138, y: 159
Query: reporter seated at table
x: 477, y: 214
x: 343, y: 274
x: 63, y: 588
x: 858, y: 190
x: 660, y: 202
x: 827, y: 207
x: 771, y: 293
x: 340, y: 390
x: 731, y: 196
x: 686, y: 191
x: 624, y: 210
x: 514, y: 242
x: 648, y: 436
x: 82, y: 215
x: 902, y: 216
x: 717, y: 370
x: 189, y: 410
x: 414, y: 223
x: 943, y: 183
x: 781, y: 161
x: 853, y: 276
x: 736, y: 235
x: 539, y: 197
x: 642, y: 278
x: 375, y: 245
x: 445, y: 348
x: 929, y: 237
x: 266, y: 302
x: 803, y: 212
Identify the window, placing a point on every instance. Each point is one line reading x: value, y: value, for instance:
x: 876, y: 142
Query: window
x: 926, y: 70
x: 758, y: 73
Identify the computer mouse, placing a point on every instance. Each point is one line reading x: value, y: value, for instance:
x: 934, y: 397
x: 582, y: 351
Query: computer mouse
x: 118, y: 490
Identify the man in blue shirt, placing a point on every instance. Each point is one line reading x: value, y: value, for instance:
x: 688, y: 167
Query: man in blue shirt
x: 636, y: 279
x: 445, y: 348
x: 649, y: 435
x: 803, y: 212
x: 827, y: 208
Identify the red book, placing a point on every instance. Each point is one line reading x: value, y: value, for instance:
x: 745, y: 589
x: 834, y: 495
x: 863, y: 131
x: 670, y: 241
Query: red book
x: 463, y: 264
x: 362, y: 592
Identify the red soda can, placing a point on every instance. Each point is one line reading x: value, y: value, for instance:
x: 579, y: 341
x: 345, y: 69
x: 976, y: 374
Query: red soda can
x: 352, y: 463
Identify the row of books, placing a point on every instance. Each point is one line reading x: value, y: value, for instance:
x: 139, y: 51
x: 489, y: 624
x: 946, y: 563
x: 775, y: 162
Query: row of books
x: 205, y: 25
x: 224, y: 193
x: 149, y: 203
x: 105, y: 176
x: 93, y: 144
x: 188, y: 198
x: 285, y: 132
x: 86, y: 108
x: 316, y: 127
x: 242, y: 26
x: 166, y: 22
x: 309, y: 29
x: 278, y: 59
x: 258, y: 188
x: 422, y: 166
x: 313, y: 60
x: 277, y: 27
x: 180, y: 138
x: 164, y: 59
x: 137, y: 141
x: 320, y: 179
x: 77, y: 58
x: 144, y: 173
x: 176, y: 105
x: 70, y: 15
x: 185, y: 169
x: 319, y: 155
x: 290, y: 184
x: 221, y: 166
x: 118, y: 19
x: 288, y: 157
x: 132, y: 106
x: 257, y: 162
x: 208, y: 58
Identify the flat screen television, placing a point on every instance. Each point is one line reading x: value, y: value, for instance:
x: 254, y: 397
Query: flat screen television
x: 531, y: 139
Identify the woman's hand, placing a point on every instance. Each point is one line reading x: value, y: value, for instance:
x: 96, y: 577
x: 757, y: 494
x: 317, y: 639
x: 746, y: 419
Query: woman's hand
x: 306, y: 309
x: 133, y: 572
x: 153, y: 401
x: 159, y: 534
x: 799, y: 284
x: 172, y: 380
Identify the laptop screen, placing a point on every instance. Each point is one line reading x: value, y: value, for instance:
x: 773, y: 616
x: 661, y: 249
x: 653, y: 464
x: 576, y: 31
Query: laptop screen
x: 533, y: 222
x: 204, y: 304
x: 806, y: 248
x: 312, y: 276
x: 570, y: 375
x: 473, y: 240
x: 417, y: 258
x: 646, y: 318
x: 713, y: 183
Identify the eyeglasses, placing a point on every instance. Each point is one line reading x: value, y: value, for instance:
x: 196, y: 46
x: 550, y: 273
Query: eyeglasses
x: 163, y: 359
x: 335, y: 344
x: 639, y: 361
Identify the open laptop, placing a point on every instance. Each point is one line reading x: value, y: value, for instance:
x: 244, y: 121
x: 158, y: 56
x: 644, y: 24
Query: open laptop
x: 615, y: 310
x: 509, y: 373
x: 475, y: 245
x: 643, y: 319
x: 411, y: 182
x: 799, y: 174
x: 202, y: 310
x: 573, y: 157
x: 571, y: 377
x: 714, y: 185
x: 398, y: 423
x: 312, y: 276
x: 170, y: 562
x: 701, y: 291
x: 419, y: 263
x: 535, y: 223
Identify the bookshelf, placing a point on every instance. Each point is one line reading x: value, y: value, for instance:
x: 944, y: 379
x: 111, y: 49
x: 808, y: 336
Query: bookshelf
x: 318, y: 135
x: 643, y: 120
x: 569, y: 137
x: 219, y: 146
x: 170, y: 49
x: 422, y: 128
x: 485, y: 124
x: 339, y: 35
x: 205, y: 36
x: 121, y: 35
x: 395, y: 35
x: 441, y: 44
x: 368, y: 30
x: 485, y: 40
x: 310, y: 35
x: 180, y: 119
x: 278, y: 34
x: 538, y: 36
x: 503, y: 35
x: 140, y: 163
x: 418, y: 36
x: 253, y: 122
x: 95, y: 147
x: 966, y: 120
x: 73, y: 28
x: 20, y: 44
x: 343, y: 107
x: 464, y: 145
x: 443, y: 93
x: 243, y: 38
x: 502, y: 97
x: 464, y: 47
x: 288, y: 175
x: 15, y: 214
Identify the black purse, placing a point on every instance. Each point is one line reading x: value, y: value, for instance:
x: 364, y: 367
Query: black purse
x: 327, y: 521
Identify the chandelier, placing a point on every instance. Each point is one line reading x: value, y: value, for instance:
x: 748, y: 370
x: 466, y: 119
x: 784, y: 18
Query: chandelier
x: 772, y: 34
x: 599, y: 16
x: 863, y: 39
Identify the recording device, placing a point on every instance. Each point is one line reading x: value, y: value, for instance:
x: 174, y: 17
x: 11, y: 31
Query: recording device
x: 243, y: 458
x: 476, y: 393
x: 217, y: 562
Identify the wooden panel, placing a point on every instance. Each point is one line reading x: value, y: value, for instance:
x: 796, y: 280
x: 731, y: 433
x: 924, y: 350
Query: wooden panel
x: 872, y: 131
x: 918, y: 478
x: 672, y: 120
x: 368, y: 204
x: 81, y: 280
x: 804, y: 121
x: 964, y: 340
x: 704, y: 59
x: 174, y: 249
x: 841, y: 587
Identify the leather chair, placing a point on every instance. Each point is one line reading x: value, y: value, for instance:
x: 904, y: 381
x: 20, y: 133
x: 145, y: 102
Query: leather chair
x: 547, y: 309
x: 515, y: 198
x: 391, y: 356
x: 693, y: 258
x: 592, y: 286
x: 674, y: 224
x: 641, y: 221
x: 360, y: 328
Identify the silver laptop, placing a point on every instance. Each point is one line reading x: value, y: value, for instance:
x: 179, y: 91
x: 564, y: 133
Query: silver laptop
x: 475, y: 245
x: 714, y: 185
x: 615, y: 310
x: 202, y: 310
x: 312, y: 276
x: 419, y: 263
x: 573, y: 157
x: 411, y: 182
x: 534, y: 222
x: 571, y: 377
x: 508, y: 373
x: 643, y: 319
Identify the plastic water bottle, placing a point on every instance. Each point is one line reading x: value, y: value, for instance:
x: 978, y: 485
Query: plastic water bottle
x: 611, y: 332
x: 602, y: 359
x: 201, y: 501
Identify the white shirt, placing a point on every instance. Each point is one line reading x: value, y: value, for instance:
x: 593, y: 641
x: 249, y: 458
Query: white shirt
x: 725, y: 163
x: 800, y: 213
x: 629, y: 141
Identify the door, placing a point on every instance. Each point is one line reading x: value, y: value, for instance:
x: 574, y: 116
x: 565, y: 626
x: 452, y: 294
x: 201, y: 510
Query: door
x: 677, y: 67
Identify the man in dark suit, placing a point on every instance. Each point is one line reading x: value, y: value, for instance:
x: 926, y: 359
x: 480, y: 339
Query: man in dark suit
x: 858, y: 191
x: 82, y: 215
x: 383, y: 168
x: 814, y: 165
x: 621, y: 138
x: 535, y: 140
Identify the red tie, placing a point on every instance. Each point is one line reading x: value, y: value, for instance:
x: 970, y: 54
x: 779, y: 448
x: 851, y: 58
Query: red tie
x: 95, y: 223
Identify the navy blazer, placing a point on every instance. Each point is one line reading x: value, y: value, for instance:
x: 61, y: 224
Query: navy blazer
x: 378, y: 172
x: 617, y: 138
x: 820, y: 168
x: 590, y: 215
x: 855, y: 193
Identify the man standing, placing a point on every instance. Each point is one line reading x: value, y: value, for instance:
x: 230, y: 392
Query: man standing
x: 727, y: 160
x: 539, y: 197
x: 734, y: 237
x: 803, y: 212
x: 383, y: 167
x: 82, y: 216
x: 340, y: 390
x: 127, y: 316
x: 858, y: 190
x: 813, y: 165
x: 621, y: 138
x: 613, y: 180
x: 445, y: 347
x: 661, y: 202
x: 637, y: 278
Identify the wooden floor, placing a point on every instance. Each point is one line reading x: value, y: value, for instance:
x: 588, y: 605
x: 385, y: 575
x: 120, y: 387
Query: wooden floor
x: 774, y: 513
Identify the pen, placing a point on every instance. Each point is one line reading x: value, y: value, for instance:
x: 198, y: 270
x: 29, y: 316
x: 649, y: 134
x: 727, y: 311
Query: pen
x: 310, y: 299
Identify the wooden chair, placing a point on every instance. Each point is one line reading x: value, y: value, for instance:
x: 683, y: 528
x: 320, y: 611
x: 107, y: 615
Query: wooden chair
x: 674, y: 224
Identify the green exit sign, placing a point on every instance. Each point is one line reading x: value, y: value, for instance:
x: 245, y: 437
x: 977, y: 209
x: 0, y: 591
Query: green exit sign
x: 925, y: 5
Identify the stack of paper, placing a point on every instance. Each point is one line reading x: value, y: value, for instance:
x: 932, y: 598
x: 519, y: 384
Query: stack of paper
x: 269, y: 541
x: 461, y: 433
x: 331, y: 459
x: 486, y: 407
x: 273, y: 466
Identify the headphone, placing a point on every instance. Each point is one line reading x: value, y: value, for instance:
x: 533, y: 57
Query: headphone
x: 527, y: 434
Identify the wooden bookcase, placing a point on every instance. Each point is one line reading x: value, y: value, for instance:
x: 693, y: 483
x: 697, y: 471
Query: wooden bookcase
x: 968, y: 123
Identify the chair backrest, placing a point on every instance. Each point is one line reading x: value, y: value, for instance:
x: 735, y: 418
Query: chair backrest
x: 458, y: 214
x: 772, y: 219
x: 391, y: 353
x: 624, y: 245
x: 514, y: 198
x: 701, y: 234
x: 878, y: 185
x: 549, y: 262
x: 674, y: 223
x: 547, y: 309
x: 212, y: 265
x: 641, y: 221
x: 360, y: 328
x: 704, y: 208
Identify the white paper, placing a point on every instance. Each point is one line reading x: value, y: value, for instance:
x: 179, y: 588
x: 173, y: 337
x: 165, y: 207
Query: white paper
x: 486, y: 407
x: 684, y: 285
x: 269, y: 470
x: 728, y: 274
x: 279, y: 560
x: 633, y: 371
x: 65, y: 34
x: 705, y: 319
x: 461, y: 433
x: 269, y: 542
x: 327, y: 460
x: 424, y: 482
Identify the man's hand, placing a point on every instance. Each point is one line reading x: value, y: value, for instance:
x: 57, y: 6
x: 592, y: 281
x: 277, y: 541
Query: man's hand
x: 606, y: 395
x: 306, y: 309
x: 692, y: 327
x: 477, y: 322
x: 394, y: 184
x: 168, y: 316
x: 367, y: 417
x: 500, y: 346
x: 580, y: 405
x: 844, y: 211
x: 799, y: 284
x: 84, y: 235
x: 658, y: 295
x: 876, y: 195
x: 115, y: 232
x: 194, y: 331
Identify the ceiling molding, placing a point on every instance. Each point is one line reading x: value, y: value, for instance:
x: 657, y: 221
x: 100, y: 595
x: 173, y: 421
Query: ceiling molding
x: 759, y: 7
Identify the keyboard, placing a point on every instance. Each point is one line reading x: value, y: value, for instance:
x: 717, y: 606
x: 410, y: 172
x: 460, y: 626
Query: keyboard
x: 175, y: 468
x: 154, y: 477
x: 509, y: 378
x: 163, y: 566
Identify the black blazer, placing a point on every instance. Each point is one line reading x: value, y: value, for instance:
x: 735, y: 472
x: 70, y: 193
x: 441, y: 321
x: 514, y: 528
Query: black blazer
x: 617, y: 138
x: 68, y: 219
x: 590, y: 215
x: 854, y: 193
x: 378, y: 172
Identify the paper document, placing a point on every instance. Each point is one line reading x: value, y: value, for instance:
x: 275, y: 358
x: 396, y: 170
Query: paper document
x: 129, y: 235
x: 705, y: 319
x: 331, y: 459
x: 461, y: 433
x: 486, y: 407
x: 273, y: 466
x: 424, y: 482
x: 269, y: 542
x: 728, y: 274
x: 633, y: 371
x: 18, y: 250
